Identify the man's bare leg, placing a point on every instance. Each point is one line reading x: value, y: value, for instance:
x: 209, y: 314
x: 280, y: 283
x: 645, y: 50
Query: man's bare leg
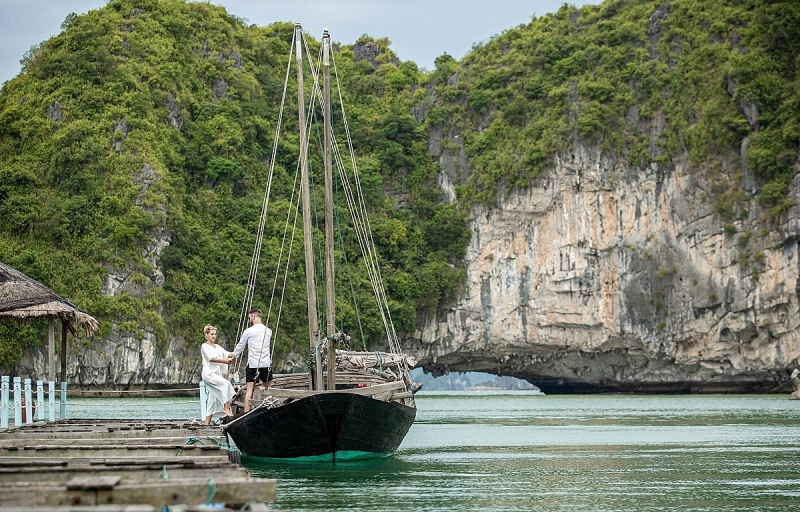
x: 248, y: 395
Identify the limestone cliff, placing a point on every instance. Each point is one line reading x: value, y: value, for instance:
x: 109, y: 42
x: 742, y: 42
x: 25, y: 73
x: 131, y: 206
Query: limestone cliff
x: 632, y: 169
x: 602, y: 277
x: 595, y: 278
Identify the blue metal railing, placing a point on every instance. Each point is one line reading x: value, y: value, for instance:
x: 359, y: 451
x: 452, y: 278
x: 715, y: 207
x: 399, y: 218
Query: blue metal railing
x: 17, y: 394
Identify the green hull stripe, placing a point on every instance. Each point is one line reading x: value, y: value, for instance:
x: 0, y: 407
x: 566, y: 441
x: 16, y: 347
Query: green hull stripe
x: 327, y: 457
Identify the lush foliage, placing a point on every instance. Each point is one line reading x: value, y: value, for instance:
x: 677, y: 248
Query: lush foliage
x: 646, y: 80
x: 152, y: 120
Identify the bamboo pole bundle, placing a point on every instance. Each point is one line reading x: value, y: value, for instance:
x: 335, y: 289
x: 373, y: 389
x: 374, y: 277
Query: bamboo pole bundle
x: 351, y: 360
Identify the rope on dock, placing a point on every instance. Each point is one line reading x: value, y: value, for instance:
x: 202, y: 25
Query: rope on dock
x: 212, y: 490
x: 193, y: 440
x: 221, y: 444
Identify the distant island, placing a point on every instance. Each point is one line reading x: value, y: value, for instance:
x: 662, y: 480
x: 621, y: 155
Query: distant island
x: 470, y: 381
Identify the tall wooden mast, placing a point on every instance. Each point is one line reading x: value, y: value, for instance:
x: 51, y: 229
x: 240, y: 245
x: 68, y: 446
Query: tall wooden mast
x: 311, y: 285
x: 330, y: 296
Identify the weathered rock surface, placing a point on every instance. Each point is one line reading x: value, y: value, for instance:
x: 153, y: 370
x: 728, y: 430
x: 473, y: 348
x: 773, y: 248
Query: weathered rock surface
x: 603, y: 277
x: 598, y: 277
x: 124, y: 359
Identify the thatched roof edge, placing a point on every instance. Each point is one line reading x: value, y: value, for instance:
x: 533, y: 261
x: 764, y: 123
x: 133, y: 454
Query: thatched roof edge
x: 24, y: 298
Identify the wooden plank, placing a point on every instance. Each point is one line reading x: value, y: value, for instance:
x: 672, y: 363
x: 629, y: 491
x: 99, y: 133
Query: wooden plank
x: 134, y: 461
x: 114, y: 434
x: 106, y: 508
x: 94, y: 422
x: 10, y: 461
x: 8, y: 436
x: 251, y: 507
x: 103, y: 424
x: 52, y: 451
x: 191, y: 440
x: 234, y: 492
x: 34, y: 494
x: 101, y: 447
x: 118, y: 463
x: 93, y: 482
x: 130, y: 474
x: 8, y: 464
x: 107, y: 426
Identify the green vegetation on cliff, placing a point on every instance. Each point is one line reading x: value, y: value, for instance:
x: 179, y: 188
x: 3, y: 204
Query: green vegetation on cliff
x: 139, y: 135
x: 645, y: 80
x: 149, y: 122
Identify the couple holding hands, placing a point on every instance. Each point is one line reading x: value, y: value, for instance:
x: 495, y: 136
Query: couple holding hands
x: 216, y: 360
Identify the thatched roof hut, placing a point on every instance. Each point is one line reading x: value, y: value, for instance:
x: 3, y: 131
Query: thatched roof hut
x: 23, y: 298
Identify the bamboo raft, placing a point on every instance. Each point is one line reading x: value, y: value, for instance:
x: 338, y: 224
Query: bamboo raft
x: 123, y: 465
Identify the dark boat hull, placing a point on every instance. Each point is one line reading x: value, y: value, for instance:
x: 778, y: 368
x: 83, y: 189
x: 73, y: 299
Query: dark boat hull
x: 324, y: 426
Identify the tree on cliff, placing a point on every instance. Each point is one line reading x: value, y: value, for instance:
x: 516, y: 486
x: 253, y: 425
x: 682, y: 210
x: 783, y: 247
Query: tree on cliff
x: 132, y: 145
x: 132, y: 150
x: 647, y: 81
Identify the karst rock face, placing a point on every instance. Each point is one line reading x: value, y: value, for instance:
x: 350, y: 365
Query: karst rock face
x: 606, y: 277
x: 598, y: 277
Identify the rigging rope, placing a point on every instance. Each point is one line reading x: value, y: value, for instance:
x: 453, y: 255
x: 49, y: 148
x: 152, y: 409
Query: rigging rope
x: 368, y: 245
x: 350, y: 281
x: 303, y: 151
x: 359, y: 216
x: 251, y: 281
x: 354, y: 198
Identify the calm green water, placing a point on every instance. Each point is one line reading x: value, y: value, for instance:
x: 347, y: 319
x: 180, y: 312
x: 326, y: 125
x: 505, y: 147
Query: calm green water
x: 519, y: 451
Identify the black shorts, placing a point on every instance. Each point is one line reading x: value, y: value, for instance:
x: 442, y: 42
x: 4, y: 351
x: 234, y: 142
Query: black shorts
x: 261, y: 374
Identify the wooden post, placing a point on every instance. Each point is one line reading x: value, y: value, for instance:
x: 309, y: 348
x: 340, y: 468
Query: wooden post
x: 51, y: 401
x: 330, y: 295
x: 305, y: 193
x: 4, y: 403
x: 51, y: 350
x: 28, y: 399
x: 39, y: 400
x: 17, y: 402
x: 63, y: 351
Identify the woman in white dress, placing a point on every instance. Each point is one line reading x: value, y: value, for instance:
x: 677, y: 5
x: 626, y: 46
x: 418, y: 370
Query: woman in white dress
x: 215, y: 366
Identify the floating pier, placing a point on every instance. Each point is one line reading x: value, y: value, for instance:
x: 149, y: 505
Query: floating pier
x: 124, y: 465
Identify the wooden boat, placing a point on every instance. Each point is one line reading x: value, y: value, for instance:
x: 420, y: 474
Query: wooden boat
x: 350, y: 404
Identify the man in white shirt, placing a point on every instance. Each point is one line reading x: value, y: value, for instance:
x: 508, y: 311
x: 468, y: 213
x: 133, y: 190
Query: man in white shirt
x: 259, y: 362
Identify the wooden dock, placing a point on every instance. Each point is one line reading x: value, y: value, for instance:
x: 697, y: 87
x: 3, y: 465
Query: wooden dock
x: 124, y: 465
